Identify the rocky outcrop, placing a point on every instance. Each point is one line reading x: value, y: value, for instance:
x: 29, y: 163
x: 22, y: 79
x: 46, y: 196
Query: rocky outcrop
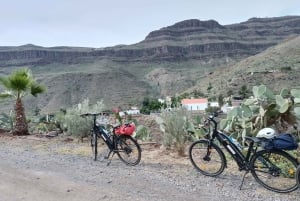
x: 189, y: 39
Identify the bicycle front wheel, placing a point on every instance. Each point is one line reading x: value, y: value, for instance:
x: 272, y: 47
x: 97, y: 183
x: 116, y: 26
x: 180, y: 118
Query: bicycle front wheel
x: 94, y: 144
x: 128, y: 150
x: 275, y: 170
x: 207, y: 158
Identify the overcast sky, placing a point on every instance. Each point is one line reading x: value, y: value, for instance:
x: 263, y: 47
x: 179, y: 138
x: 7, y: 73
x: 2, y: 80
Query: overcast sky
x: 103, y: 23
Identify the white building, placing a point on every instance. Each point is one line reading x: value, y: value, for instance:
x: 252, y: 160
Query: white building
x: 196, y: 104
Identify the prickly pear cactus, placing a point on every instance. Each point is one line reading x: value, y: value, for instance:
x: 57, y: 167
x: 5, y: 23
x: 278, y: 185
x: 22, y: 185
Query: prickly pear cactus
x: 262, y: 110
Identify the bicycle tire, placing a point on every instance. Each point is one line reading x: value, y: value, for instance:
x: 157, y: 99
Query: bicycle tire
x: 298, y: 176
x: 275, y: 170
x: 209, y: 165
x: 94, y: 145
x: 128, y: 150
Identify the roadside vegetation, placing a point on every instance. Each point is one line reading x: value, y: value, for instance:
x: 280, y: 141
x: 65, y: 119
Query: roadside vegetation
x: 260, y: 108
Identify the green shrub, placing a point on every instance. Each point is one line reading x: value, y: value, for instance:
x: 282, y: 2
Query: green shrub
x: 7, y: 121
x: 43, y: 127
x: 176, y: 126
x: 142, y: 133
x: 71, y: 122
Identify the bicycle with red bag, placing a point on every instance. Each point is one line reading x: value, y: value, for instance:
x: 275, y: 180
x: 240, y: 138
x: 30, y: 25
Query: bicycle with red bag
x: 119, y: 140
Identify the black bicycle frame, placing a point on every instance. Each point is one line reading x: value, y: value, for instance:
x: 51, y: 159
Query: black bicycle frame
x: 104, y: 134
x: 241, y: 160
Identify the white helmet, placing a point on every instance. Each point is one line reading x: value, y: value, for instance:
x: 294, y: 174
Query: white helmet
x: 268, y: 133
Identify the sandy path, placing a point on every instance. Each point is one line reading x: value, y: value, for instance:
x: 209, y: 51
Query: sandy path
x: 42, y: 170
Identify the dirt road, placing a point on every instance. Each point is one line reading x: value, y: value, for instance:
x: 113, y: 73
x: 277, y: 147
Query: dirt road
x: 33, y: 169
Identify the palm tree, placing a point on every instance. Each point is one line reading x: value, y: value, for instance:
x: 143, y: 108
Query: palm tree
x: 17, y: 85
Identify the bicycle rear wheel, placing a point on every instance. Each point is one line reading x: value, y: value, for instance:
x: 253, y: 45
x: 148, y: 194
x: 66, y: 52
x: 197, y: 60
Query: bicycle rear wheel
x: 275, y: 170
x: 207, y: 159
x: 128, y: 150
x: 298, y: 176
x: 94, y: 144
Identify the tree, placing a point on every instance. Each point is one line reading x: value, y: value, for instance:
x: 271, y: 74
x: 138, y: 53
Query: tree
x: 221, y: 100
x: 244, y: 92
x: 209, y: 88
x: 150, y: 105
x: 17, y: 85
x: 229, y: 92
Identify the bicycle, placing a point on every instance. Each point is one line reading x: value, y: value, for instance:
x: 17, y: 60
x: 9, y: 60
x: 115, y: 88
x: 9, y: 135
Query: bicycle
x: 124, y: 145
x: 273, y: 169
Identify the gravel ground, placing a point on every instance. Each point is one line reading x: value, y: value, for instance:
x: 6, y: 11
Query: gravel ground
x: 34, y: 169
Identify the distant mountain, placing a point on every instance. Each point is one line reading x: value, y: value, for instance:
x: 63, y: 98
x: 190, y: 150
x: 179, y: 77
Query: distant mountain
x: 189, y: 39
x: 169, y: 61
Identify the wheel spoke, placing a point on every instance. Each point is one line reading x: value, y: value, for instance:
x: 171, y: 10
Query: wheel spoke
x: 128, y: 150
x: 275, y: 170
x: 209, y: 160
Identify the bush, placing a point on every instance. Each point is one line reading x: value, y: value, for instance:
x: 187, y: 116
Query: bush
x: 142, y: 133
x: 176, y: 126
x: 71, y: 122
x: 7, y: 121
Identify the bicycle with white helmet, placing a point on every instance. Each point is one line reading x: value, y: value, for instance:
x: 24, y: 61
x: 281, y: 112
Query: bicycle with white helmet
x: 274, y: 169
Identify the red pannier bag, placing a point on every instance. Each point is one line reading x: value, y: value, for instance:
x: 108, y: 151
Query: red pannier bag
x: 125, y: 129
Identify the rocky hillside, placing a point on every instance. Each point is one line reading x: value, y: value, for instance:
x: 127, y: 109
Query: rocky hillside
x: 277, y: 67
x: 169, y: 61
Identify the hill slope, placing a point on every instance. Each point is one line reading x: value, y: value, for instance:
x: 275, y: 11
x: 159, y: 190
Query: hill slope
x: 277, y: 67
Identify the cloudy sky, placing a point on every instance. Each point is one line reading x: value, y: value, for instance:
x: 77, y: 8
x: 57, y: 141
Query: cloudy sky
x: 103, y: 23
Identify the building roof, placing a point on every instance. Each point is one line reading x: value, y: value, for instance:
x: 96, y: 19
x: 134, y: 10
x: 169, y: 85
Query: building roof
x: 194, y: 101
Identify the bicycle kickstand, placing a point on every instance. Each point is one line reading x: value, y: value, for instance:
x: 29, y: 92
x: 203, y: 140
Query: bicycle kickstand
x: 243, y: 179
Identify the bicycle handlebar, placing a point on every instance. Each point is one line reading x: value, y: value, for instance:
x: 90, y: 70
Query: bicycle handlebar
x: 95, y: 114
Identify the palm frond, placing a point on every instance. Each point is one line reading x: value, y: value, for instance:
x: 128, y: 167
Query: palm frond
x: 5, y: 82
x: 20, y: 80
x: 37, y: 89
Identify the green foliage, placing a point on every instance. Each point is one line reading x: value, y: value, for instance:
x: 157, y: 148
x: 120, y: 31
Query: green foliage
x: 71, y: 122
x: 210, y: 109
x: 198, y: 94
x: 221, y: 100
x: 176, y: 126
x: 142, y: 133
x: 43, y: 127
x: 200, y: 132
x: 19, y: 83
x: 151, y: 105
x: 175, y: 102
x: 6, y: 121
x: 244, y: 92
x: 209, y: 88
x: 286, y: 69
x: 263, y: 110
x: 229, y: 92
